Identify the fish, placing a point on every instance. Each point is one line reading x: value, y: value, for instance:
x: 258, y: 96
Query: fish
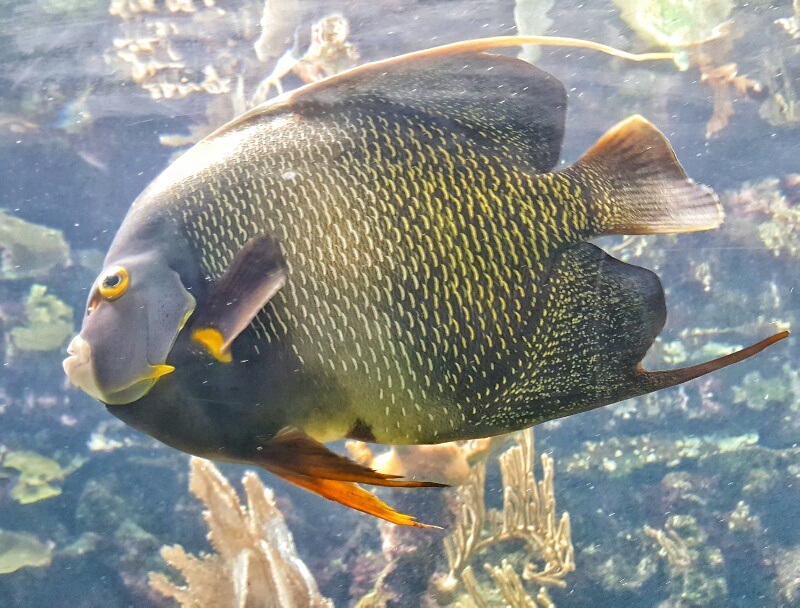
x: 388, y: 255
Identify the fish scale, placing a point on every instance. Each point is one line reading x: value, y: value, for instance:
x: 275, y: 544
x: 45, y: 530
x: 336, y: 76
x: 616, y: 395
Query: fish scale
x: 449, y: 230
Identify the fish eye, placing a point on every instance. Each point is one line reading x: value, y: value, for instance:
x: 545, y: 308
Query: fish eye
x: 114, y: 283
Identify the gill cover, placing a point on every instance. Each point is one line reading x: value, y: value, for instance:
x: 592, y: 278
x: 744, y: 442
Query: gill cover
x: 128, y: 333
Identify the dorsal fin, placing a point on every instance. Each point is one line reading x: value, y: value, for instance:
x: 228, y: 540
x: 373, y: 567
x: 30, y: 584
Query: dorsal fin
x: 504, y: 105
x: 517, y: 108
x: 511, y: 106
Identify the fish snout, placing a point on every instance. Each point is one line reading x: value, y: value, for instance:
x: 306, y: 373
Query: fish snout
x: 79, y: 369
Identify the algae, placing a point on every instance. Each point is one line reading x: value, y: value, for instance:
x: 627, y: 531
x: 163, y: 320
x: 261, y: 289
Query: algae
x: 18, y: 550
x: 49, y: 324
x: 39, y: 476
x: 674, y: 24
x: 29, y: 251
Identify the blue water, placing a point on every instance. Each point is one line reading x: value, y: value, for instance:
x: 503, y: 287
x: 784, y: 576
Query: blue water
x: 79, y: 139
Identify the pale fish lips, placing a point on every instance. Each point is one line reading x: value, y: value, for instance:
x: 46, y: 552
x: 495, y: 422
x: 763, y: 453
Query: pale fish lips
x: 80, y: 371
x: 78, y: 367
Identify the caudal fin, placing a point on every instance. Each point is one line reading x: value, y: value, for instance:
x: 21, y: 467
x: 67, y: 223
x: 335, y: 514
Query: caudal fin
x: 635, y: 184
x: 672, y: 377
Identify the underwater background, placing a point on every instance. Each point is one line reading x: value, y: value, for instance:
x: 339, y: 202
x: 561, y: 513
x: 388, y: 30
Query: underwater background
x: 687, y: 497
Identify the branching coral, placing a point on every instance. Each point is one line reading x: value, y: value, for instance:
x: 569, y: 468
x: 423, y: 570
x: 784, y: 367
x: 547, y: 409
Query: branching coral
x: 792, y: 24
x: 329, y: 53
x: 698, y: 29
x: 255, y: 564
x: 528, y: 519
x: 723, y: 77
x: 695, y: 568
x: 449, y: 463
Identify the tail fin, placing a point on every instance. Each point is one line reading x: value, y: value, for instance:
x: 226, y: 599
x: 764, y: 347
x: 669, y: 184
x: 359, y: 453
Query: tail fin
x: 637, y: 186
x: 672, y: 377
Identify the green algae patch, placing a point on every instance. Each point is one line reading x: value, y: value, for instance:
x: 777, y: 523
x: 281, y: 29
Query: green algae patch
x: 39, y: 477
x: 18, y: 550
x: 674, y: 24
x: 30, y: 251
x: 49, y: 323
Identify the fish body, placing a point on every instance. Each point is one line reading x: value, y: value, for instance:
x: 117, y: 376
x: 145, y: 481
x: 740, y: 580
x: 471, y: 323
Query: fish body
x: 387, y: 255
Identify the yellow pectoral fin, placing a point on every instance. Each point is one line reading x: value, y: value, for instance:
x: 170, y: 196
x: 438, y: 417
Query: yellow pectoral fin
x: 353, y: 496
x: 214, y: 342
x: 156, y: 371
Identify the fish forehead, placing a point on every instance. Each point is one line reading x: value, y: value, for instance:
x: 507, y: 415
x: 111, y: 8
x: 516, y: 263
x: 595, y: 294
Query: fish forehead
x: 413, y: 271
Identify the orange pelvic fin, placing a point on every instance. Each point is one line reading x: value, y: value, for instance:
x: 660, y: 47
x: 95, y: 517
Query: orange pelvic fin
x: 353, y: 496
x: 294, y: 451
x: 309, y: 464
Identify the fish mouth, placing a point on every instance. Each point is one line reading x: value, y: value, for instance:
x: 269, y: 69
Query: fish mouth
x: 80, y: 371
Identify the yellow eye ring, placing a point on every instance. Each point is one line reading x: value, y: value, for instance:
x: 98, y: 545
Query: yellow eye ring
x: 114, y: 283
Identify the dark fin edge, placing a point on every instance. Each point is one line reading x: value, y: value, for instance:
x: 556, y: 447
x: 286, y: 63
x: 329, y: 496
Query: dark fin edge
x: 667, y: 378
x: 479, y: 45
x: 637, y: 186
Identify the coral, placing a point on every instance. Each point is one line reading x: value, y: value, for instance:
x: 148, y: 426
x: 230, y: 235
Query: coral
x: 255, y: 563
x: 710, y: 58
x: 449, y: 463
x: 696, y: 569
x: 620, y: 456
x: 757, y: 392
x: 778, y: 219
x: 787, y: 580
x: 279, y: 20
x: 100, y: 509
x: 530, y: 17
x: 49, y: 324
x: 181, y: 48
x: 18, y: 550
x: 329, y: 53
x: 697, y: 29
x: 674, y: 24
x: 38, y: 475
x: 528, y: 519
x: 790, y: 188
x: 792, y: 24
x: 726, y: 84
x: 624, y: 566
x: 740, y: 520
x: 29, y: 251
